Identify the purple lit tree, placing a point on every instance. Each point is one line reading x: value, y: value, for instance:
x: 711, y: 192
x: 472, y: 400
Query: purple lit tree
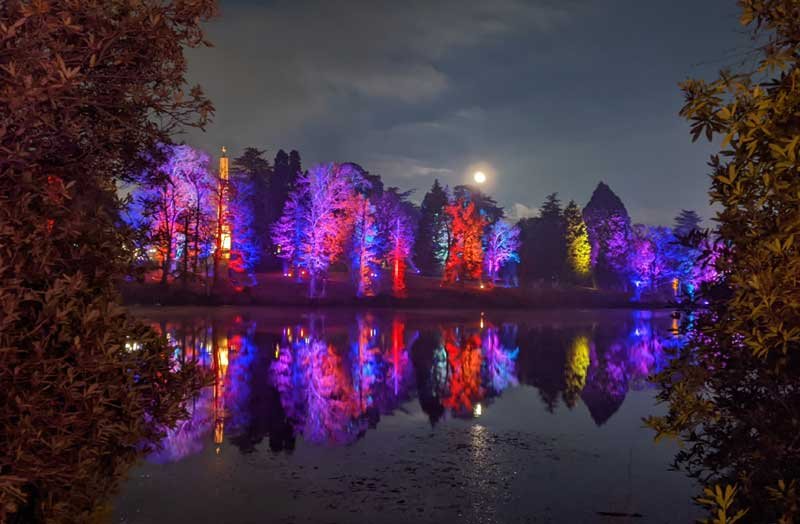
x: 499, y: 362
x: 173, y: 206
x: 502, y: 242
x: 608, y: 225
x: 288, y: 233
x: 396, y: 219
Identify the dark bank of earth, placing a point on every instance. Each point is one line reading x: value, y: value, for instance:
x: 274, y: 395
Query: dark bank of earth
x: 423, y: 292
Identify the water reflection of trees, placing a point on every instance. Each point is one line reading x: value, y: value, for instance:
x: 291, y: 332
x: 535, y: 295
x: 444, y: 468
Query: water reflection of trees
x: 329, y: 383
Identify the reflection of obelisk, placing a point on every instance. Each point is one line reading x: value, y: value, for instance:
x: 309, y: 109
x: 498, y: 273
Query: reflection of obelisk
x: 222, y: 250
x: 220, y: 371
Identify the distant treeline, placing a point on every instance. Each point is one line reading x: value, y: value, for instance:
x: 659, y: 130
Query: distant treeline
x: 195, y: 223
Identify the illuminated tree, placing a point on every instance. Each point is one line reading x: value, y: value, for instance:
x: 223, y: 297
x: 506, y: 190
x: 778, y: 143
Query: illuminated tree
x: 486, y: 206
x: 579, y: 250
x: 366, y: 246
x: 198, y: 180
x: 502, y: 242
x: 174, y: 203
x: 396, y: 225
x: 401, y: 240
x: 608, y: 225
x: 246, y: 247
x: 465, y: 259
x: 645, y: 264
x: 320, y: 200
x: 288, y: 232
x: 254, y: 171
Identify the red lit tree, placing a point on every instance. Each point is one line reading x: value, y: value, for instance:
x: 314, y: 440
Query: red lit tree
x: 465, y: 258
x: 401, y: 242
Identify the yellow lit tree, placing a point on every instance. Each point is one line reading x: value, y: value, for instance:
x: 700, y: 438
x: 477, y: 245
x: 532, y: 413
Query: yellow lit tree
x: 579, y: 251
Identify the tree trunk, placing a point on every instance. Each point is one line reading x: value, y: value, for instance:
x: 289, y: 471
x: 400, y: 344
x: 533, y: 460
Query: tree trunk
x: 312, y: 284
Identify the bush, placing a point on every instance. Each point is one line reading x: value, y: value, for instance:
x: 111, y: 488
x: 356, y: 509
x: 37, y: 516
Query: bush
x: 87, y: 90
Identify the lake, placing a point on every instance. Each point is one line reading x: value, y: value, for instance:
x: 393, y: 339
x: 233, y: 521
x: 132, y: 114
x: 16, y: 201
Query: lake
x: 426, y: 416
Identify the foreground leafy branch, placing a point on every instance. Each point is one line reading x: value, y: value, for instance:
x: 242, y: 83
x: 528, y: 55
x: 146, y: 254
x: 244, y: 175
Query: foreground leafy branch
x: 87, y: 90
x: 734, y: 391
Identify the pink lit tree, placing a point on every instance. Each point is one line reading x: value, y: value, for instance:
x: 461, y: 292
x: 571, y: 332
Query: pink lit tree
x: 322, y: 195
x: 502, y: 243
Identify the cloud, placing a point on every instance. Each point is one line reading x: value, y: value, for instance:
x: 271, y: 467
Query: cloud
x: 553, y: 94
x: 519, y: 211
x: 285, y: 64
x: 408, y: 171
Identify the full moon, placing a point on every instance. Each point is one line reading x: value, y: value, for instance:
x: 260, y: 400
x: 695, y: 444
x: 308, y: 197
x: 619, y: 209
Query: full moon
x: 480, y: 177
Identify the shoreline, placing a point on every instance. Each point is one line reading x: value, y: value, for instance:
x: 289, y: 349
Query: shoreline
x: 153, y: 295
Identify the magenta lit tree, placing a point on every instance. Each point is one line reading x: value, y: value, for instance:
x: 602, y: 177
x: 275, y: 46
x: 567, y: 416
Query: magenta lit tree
x: 502, y: 243
x: 643, y: 263
x: 333, y: 406
x: 323, y: 195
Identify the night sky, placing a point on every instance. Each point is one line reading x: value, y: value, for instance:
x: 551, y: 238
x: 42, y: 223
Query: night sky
x: 548, y: 96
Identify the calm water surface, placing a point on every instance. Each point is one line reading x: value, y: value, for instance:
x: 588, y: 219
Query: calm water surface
x: 423, y: 416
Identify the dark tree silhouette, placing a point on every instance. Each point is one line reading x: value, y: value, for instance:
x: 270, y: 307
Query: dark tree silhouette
x: 686, y: 222
x: 543, y: 251
x: 430, y: 248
